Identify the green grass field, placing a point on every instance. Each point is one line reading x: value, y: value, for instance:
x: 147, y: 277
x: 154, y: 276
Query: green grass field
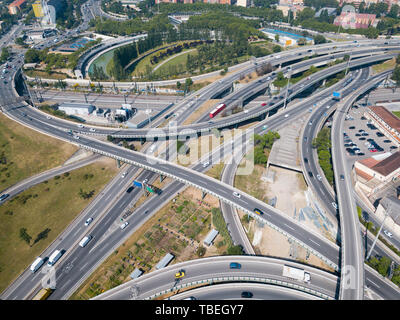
x: 25, y: 152
x: 180, y: 59
x: 397, y: 114
x: 47, y: 206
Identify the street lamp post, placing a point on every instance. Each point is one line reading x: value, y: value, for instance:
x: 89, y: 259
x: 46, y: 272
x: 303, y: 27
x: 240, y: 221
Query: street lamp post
x: 287, y: 89
x: 389, y: 208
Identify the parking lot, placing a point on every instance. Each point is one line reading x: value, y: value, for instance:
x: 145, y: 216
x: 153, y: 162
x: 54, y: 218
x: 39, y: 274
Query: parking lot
x: 361, y: 138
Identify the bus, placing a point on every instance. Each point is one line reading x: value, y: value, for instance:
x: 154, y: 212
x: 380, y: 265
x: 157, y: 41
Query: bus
x: 43, y: 294
x: 217, y: 110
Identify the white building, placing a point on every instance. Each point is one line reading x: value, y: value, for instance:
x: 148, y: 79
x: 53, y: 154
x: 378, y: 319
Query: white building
x: 76, y: 108
x: 243, y: 3
x: 210, y: 237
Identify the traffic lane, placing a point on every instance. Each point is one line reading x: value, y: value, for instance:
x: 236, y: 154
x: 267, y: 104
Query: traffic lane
x: 350, y: 233
x: 97, y: 253
x: 155, y: 282
x: 233, y: 291
x: 381, y: 286
x: 66, y: 240
x: 218, y: 188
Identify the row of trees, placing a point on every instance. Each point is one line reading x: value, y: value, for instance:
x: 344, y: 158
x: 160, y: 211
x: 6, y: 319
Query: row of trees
x: 229, y: 32
x: 263, y: 144
x: 323, y: 145
x: 122, y: 56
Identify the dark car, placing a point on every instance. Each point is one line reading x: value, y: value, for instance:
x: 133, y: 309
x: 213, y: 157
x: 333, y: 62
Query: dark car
x: 387, y: 141
x: 379, y: 134
x: 352, y: 127
x: 362, y: 138
x: 235, y: 265
x: 341, y: 177
x: 310, y: 174
x: 393, y: 147
x: 363, y: 118
x: 4, y: 196
x: 258, y: 211
x: 358, y: 135
x: 305, y: 160
x: 364, y: 134
x: 247, y: 294
x: 361, y: 154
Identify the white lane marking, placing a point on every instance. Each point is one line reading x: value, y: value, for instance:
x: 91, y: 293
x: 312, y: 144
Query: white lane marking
x: 315, y: 242
x: 75, y: 233
x: 83, y: 267
x: 288, y: 226
x: 66, y: 282
x: 373, y: 283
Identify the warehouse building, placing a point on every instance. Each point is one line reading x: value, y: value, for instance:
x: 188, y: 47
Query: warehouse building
x: 385, y: 121
x: 165, y: 261
x: 208, y: 241
x: 76, y: 108
x: 374, y: 173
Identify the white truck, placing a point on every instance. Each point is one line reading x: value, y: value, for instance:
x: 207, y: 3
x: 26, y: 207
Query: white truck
x: 296, y: 274
x: 54, y: 257
x: 36, y: 264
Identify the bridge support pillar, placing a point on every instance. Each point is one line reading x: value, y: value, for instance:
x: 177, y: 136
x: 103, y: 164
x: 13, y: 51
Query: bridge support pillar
x: 203, y: 195
x: 162, y: 178
x: 118, y: 163
x: 323, y: 82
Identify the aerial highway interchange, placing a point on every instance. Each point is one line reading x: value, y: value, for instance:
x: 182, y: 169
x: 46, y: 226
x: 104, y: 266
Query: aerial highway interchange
x: 257, y: 272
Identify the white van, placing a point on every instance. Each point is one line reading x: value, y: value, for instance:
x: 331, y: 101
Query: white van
x: 36, y: 264
x: 85, y: 241
x: 54, y: 258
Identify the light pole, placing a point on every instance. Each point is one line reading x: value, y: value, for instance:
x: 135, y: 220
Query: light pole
x: 387, y: 211
x: 287, y: 88
x: 148, y: 112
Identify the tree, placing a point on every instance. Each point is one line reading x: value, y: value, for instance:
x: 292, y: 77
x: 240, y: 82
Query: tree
x: 396, y: 75
x: 5, y: 54
x: 372, y: 33
x: 24, y: 235
x: 178, y: 85
x: 20, y: 41
x: 301, y: 41
x: 318, y: 39
x: 277, y: 37
x: 235, y: 250
x: 276, y: 48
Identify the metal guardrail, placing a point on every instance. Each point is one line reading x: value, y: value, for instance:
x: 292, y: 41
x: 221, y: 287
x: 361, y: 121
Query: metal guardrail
x: 267, y: 280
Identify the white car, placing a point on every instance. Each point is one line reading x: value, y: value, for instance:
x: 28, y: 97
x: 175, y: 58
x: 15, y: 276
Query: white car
x: 286, y: 115
x: 123, y: 226
x: 88, y: 221
x: 80, y: 125
x: 76, y: 137
x: 123, y: 174
x: 389, y: 234
x: 92, y: 129
x: 246, y: 110
x: 334, y: 205
x: 205, y: 164
x: 145, y: 181
x: 319, y: 177
x: 237, y: 195
x: 328, y: 107
x: 48, y: 117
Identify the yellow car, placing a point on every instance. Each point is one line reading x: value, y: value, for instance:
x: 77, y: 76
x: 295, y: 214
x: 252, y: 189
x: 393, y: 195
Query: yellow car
x: 258, y: 211
x: 180, y: 274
